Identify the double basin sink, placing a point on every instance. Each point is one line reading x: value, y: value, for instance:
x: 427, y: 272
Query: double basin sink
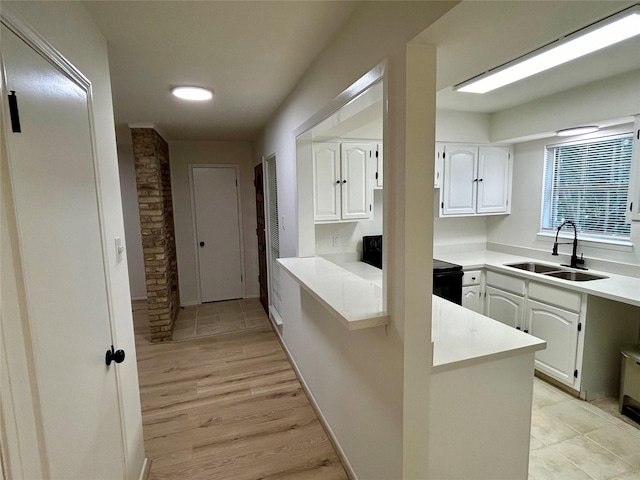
x: 557, y: 272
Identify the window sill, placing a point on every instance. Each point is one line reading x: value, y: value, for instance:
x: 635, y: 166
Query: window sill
x: 591, y: 242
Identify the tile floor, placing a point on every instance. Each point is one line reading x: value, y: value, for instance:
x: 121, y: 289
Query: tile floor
x: 219, y: 317
x: 573, y: 439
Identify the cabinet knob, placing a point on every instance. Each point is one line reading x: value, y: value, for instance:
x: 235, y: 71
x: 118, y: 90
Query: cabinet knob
x: 344, y: 181
x: 518, y: 328
x: 116, y: 356
x: 337, y: 181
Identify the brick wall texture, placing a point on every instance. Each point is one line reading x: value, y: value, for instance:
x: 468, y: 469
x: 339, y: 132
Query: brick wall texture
x: 153, y: 180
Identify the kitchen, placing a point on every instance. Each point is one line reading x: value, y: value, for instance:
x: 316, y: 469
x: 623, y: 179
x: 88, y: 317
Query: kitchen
x: 526, y: 127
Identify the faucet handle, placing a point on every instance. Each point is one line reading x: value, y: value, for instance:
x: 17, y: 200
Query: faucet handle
x: 580, y: 261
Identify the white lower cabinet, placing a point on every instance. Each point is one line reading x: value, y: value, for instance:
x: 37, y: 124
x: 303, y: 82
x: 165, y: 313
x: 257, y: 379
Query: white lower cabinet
x: 559, y: 328
x: 472, y: 296
x: 584, y: 333
x: 505, y: 307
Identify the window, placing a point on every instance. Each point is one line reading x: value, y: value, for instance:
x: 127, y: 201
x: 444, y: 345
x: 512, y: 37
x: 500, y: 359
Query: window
x: 588, y: 183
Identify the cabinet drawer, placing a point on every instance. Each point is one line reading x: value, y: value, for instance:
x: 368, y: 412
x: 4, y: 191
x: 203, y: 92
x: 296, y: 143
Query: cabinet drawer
x: 506, y: 282
x: 471, y: 277
x: 555, y: 296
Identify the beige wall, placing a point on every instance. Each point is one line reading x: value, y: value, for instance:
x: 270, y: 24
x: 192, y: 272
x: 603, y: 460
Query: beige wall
x: 183, y: 154
x: 69, y: 28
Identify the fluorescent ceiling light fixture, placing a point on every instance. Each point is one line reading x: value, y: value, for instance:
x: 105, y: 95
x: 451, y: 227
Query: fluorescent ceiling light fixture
x: 607, y: 32
x: 568, y: 132
x: 192, y: 93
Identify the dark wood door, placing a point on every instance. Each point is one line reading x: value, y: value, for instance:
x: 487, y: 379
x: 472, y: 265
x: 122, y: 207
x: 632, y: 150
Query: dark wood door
x: 260, y: 231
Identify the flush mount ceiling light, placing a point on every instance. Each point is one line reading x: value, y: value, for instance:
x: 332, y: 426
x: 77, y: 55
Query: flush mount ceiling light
x: 568, y: 132
x: 192, y: 93
x: 613, y: 29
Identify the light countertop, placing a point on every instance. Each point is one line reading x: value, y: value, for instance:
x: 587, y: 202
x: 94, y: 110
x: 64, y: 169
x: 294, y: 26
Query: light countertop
x: 462, y: 337
x: 619, y: 288
x: 355, y: 301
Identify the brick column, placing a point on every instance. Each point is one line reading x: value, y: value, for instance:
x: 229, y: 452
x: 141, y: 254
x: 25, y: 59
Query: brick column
x: 153, y: 180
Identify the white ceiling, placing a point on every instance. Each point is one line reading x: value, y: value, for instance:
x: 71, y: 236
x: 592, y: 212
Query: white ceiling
x: 252, y: 53
x: 477, y: 36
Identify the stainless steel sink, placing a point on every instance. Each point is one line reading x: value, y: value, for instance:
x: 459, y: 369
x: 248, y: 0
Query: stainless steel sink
x: 575, y: 276
x: 534, y: 267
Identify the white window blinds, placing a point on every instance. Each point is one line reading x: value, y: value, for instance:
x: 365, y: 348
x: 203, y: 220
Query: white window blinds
x: 588, y: 183
x: 274, y: 233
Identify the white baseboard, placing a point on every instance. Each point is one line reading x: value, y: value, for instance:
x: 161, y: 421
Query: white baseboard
x: 275, y: 315
x: 146, y: 469
x: 189, y: 304
x: 252, y: 296
x: 332, y: 437
x: 138, y: 299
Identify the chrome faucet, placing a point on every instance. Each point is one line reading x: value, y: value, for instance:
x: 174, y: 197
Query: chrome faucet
x: 575, y: 261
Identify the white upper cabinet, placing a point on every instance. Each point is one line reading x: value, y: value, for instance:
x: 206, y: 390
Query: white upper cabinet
x: 342, y: 188
x: 633, y: 200
x: 379, y: 162
x: 438, y: 171
x: 327, y: 182
x: 476, y: 180
x: 460, y: 180
x: 494, y: 185
x: 355, y: 184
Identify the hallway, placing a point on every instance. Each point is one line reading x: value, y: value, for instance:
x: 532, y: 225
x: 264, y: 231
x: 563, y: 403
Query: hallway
x: 227, y: 406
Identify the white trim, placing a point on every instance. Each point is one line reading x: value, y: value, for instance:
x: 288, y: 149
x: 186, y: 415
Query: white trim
x: 146, y: 469
x: 190, y: 304
x: 327, y: 428
x: 138, y: 299
x: 275, y: 316
x: 191, y: 167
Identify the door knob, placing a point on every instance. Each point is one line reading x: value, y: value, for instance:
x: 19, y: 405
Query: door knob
x: 202, y: 244
x: 111, y: 356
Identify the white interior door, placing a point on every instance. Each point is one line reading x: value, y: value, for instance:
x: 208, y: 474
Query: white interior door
x: 53, y: 178
x: 217, y: 217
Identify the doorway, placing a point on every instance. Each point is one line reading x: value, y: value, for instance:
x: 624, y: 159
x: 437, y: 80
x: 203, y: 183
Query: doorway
x: 218, y: 235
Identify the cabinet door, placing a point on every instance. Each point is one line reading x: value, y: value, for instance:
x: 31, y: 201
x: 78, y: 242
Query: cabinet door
x: 326, y: 182
x: 460, y: 180
x: 471, y: 298
x: 505, y: 307
x: 438, y: 172
x: 633, y: 202
x: 356, y: 193
x: 559, y: 328
x: 494, y: 179
x: 379, y: 164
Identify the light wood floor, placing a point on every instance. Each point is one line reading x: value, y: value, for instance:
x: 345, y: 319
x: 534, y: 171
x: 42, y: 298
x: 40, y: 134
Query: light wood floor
x: 227, y: 407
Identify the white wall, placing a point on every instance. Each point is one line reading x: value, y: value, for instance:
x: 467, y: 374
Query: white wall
x: 183, y: 154
x: 351, y: 233
x: 517, y: 232
x: 133, y: 235
x: 69, y: 28
x: 375, y: 450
